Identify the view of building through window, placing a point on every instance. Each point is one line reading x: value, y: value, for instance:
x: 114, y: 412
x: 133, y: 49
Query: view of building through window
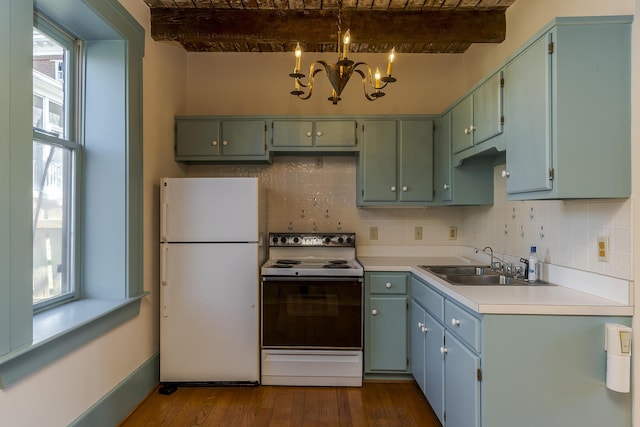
x: 51, y: 172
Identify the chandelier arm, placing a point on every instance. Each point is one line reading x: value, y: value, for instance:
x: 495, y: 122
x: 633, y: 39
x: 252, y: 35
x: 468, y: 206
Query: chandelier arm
x: 312, y: 73
x: 371, y: 83
x: 364, y: 86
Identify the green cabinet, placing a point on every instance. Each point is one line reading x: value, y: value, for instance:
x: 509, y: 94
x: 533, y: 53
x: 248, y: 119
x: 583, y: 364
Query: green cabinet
x: 445, y: 345
x: 313, y: 135
x: 386, y: 311
x: 478, y: 116
x: 204, y: 138
x: 396, y: 162
x: 470, y: 183
x: 567, y: 112
x: 468, y: 365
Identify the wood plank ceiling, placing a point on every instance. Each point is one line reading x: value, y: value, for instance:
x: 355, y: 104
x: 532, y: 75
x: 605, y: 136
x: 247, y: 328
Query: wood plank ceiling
x: 411, y: 26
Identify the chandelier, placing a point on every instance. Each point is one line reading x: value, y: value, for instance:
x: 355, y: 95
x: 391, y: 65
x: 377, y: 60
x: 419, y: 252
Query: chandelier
x: 340, y: 72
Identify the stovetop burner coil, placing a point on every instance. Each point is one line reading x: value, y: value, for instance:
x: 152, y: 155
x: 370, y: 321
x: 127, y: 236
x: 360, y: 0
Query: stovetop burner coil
x: 288, y: 261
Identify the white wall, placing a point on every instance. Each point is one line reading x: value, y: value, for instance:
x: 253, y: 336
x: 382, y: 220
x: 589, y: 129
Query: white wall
x: 62, y: 391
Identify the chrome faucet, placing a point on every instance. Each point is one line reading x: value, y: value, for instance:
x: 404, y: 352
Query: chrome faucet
x: 501, y: 265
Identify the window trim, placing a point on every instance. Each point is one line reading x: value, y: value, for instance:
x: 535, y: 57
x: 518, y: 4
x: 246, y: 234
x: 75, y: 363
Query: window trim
x: 27, y: 340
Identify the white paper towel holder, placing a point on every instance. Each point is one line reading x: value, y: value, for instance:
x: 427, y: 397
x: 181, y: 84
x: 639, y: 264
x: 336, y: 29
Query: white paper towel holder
x: 617, y: 344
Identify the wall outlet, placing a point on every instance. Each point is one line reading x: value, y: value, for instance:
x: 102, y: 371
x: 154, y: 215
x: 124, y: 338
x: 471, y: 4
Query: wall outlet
x: 453, y: 233
x: 373, y: 233
x: 603, y: 248
x: 417, y: 233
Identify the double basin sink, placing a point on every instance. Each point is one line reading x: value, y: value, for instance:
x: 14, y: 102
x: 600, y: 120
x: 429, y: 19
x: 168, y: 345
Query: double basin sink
x: 476, y: 275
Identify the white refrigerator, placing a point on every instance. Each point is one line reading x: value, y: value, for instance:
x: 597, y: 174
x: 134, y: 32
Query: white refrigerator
x: 211, y: 249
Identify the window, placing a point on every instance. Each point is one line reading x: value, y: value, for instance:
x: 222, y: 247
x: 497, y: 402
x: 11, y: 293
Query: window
x: 54, y: 166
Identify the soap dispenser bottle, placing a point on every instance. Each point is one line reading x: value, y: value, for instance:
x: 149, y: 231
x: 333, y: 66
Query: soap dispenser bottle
x: 532, y: 274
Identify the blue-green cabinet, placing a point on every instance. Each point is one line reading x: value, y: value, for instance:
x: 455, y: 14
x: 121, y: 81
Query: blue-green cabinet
x: 478, y: 116
x: 203, y: 138
x: 385, y: 315
x: 315, y: 135
x: 396, y: 162
x: 470, y: 183
x: 567, y: 112
x: 462, y: 384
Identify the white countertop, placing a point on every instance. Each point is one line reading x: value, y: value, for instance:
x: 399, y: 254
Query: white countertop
x: 532, y: 299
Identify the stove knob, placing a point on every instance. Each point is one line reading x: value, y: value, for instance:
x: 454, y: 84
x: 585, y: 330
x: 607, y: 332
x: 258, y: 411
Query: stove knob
x: 348, y: 239
x: 327, y: 240
x: 296, y: 240
x: 283, y: 240
x: 340, y: 240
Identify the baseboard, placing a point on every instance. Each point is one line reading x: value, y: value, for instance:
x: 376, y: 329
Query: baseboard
x: 122, y: 399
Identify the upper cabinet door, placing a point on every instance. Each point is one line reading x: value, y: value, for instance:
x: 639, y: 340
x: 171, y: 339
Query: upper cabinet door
x: 487, y: 109
x: 528, y: 112
x: 442, y: 159
x: 292, y: 133
x: 244, y: 138
x: 462, y: 125
x: 416, y: 161
x: 379, y: 161
x: 335, y: 133
x: 197, y: 138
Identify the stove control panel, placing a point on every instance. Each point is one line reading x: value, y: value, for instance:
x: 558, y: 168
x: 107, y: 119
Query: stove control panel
x: 346, y: 240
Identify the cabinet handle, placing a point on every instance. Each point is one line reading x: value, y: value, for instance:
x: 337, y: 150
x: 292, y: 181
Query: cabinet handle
x: 388, y: 285
x: 214, y: 143
x: 424, y: 329
x: 443, y: 350
x: 309, y: 134
x: 506, y: 174
x: 405, y: 188
x: 446, y: 186
x: 420, y: 325
x: 374, y: 312
x: 318, y: 133
x: 467, y: 131
x: 472, y: 128
x: 393, y: 188
x: 455, y: 322
x: 225, y: 142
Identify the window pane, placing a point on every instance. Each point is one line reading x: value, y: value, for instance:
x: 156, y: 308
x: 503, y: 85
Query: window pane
x: 52, y: 236
x: 49, y: 79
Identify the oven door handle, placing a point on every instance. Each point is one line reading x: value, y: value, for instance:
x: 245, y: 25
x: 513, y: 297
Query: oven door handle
x: 311, y: 279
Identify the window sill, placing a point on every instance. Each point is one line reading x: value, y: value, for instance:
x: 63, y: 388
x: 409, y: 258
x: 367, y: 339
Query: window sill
x: 59, y: 331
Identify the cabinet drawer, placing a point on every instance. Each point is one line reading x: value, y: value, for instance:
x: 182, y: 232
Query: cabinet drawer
x: 428, y: 298
x: 388, y: 283
x: 462, y: 324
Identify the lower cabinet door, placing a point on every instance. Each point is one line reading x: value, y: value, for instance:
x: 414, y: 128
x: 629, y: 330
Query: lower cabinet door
x: 387, y: 341
x: 434, y: 366
x: 417, y: 333
x: 462, y: 388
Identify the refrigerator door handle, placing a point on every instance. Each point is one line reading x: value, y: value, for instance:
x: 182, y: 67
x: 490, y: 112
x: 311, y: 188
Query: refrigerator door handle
x: 163, y: 272
x: 165, y: 312
x: 163, y: 222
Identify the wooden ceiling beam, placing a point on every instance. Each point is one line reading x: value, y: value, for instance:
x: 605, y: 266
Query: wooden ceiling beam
x: 319, y: 27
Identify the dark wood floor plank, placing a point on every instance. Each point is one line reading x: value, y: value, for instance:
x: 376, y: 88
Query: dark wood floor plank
x: 375, y: 404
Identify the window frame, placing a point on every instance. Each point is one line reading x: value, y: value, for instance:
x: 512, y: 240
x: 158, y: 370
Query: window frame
x: 69, y: 140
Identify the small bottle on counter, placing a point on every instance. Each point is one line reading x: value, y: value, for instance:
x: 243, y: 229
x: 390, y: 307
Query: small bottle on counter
x: 532, y: 274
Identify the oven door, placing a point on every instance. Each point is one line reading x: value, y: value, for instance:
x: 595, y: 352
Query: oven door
x: 312, y: 312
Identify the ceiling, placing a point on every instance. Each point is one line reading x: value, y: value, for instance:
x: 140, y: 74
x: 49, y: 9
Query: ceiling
x: 411, y: 26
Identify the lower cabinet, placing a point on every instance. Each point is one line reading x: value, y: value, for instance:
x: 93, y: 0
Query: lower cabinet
x: 505, y: 370
x: 385, y: 323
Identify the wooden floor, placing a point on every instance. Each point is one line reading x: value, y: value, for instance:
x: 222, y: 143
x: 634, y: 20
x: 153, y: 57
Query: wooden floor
x: 375, y: 404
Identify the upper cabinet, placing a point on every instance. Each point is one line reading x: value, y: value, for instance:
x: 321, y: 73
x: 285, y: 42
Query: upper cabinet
x: 313, y: 135
x: 470, y: 183
x: 214, y: 139
x: 396, y: 162
x: 478, y: 117
x: 568, y: 112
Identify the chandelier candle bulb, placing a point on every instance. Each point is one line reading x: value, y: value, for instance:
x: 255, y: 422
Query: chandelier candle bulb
x: 377, y: 78
x: 298, y: 56
x: 347, y: 40
x: 392, y: 56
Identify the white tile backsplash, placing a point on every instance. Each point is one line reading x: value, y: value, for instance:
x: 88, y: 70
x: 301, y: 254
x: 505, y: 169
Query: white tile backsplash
x: 565, y: 232
x: 319, y: 192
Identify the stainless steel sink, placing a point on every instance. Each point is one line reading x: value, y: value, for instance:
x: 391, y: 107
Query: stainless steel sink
x: 484, y: 279
x: 477, y: 275
x: 471, y: 270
